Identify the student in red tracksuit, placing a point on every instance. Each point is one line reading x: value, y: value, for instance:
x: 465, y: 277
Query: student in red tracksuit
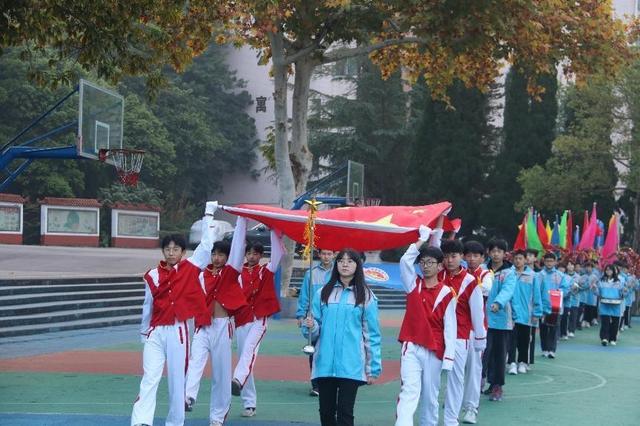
x: 474, y: 256
x: 257, y: 282
x: 428, y: 333
x: 224, y: 296
x: 469, y: 316
x: 172, y: 296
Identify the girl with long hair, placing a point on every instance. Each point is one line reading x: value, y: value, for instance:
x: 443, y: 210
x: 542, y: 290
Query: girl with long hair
x: 345, y: 322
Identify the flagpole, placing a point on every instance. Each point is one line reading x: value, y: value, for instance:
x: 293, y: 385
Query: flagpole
x: 309, y: 349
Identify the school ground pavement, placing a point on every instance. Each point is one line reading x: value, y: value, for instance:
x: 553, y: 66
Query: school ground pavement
x: 91, y: 377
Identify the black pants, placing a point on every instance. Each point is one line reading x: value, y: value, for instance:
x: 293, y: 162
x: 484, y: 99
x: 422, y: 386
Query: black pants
x: 549, y: 335
x: 520, y: 343
x: 564, y: 323
x: 573, y: 319
x: 590, y: 313
x: 337, y: 398
x: 497, y: 342
x: 580, y: 316
x: 609, y: 327
x: 532, y: 345
x: 626, y: 317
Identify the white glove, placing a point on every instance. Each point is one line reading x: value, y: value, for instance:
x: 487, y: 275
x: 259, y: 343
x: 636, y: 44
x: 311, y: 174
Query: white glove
x: 479, y: 345
x: 211, y: 208
x: 447, y: 365
x: 425, y: 232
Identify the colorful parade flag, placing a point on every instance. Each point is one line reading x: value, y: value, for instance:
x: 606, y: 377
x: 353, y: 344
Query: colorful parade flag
x: 360, y: 228
x: 611, y: 244
x: 562, y: 230
x: 542, y: 233
x: 555, y: 235
x: 533, y: 240
x: 548, y: 230
x: 576, y: 238
x: 589, y: 234
x: 569, y: 236
x: 521, y: 239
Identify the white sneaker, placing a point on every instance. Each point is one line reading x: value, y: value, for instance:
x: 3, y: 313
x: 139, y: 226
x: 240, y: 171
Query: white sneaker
x: 612, y: 343
x: 545, y: 353
x: 594, y: 323
x: 248, y: 412
x: 470, y: 417
x: 621, y: 330
x: 529, y: 367
x: 571, y: 335
x: 522, y: 368
x: 552, y: 355
x: 214, y: 423
x: 564, y: 338
x: 513, y: 368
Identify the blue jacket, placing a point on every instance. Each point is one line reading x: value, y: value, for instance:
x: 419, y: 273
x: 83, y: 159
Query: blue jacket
x: 527, y: 299
x: 551, y: 280
x: 348, y: 343
x: 591, y: 298
x: 632, y: 285
x: 320, y: 278
x: 573, y: 299
x: 610, y: 290
x: 504, y: 285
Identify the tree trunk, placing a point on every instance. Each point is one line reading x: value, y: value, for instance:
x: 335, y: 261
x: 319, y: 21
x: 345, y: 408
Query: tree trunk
x: 301, y: 156
x: 636, y: 222
x: 286, y: 183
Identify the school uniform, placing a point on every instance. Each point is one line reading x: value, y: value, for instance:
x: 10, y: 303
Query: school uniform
x: 428, y: 337
x: 473, y: 371
x: 573, y: 302
x: 213, y: 338
x: 347, y: 351
x: 551, y: 279
x: 172, y: 297
x: 591, y: 299
x: 527, y: 309
x: 611, y: 293
x: 469, y: 316
x: 500, y: 323
x: 258, y: 287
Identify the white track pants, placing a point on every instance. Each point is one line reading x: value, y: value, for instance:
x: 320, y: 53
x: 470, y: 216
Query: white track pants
x: 214, y: 340
x: 249, y: 337
x: 472, y: 379
x: 165, y: 343
x: 455, y: 384
x: 420, y: 378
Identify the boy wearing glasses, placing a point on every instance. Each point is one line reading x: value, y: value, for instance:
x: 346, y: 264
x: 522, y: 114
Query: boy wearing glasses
x: 428, y: 332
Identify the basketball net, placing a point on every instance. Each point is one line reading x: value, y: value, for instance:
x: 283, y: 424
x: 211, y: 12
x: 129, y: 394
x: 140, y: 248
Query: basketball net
x: 128, y: 163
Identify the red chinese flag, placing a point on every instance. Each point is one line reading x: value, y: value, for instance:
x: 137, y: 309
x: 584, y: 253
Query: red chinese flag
x: 360, y: 228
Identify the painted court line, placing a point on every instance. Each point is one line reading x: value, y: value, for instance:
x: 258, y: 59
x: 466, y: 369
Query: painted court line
x: 602, y: 383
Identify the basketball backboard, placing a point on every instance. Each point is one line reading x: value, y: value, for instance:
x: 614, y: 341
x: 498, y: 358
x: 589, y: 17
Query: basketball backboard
x: 355, y: 183
x: 100, y: 120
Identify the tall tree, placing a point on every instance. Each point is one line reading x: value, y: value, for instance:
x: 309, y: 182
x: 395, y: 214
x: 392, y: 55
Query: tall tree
x: 581, y: 168
x: 529, y: 129
x: 370, y: 126
x: 451, y: 153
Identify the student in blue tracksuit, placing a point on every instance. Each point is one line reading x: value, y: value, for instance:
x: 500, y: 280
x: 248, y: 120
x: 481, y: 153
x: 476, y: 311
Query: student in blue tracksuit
x: 583, y: 292
x: 531, y: 260
x: 631, y: 284
x: 527, y: 310
x: 499, y: 316
x: 591, y: 300
x: 611, y: 292
x: 345, y: 323
x: 319, y: 276
x: 574, y: 277
x: 550, y: 279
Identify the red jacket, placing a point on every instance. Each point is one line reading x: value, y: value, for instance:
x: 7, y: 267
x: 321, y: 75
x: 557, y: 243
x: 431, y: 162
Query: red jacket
x: 222, y: 286
x: 463, y: 284
x: 423, y: 322
x: 176, y: 294
x: 259, y: 289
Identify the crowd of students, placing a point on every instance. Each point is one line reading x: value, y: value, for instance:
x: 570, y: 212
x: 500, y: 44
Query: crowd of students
x: 464, y: 315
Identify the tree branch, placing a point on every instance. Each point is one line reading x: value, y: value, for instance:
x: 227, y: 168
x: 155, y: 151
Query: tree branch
x: 350, y: 52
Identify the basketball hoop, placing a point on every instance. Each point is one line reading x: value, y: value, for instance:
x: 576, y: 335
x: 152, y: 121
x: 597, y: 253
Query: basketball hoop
x: 372, y: 201
x: 128, y: 163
